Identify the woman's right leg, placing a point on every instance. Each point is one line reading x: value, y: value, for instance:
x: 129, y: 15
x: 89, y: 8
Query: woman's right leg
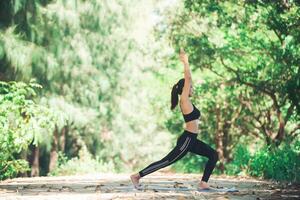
x: 181, y: 149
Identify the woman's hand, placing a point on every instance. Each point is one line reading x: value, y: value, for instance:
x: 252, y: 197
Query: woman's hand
x: 183, y: 57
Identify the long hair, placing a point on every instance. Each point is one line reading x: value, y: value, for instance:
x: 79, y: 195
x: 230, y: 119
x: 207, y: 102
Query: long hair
x: 176, y: 90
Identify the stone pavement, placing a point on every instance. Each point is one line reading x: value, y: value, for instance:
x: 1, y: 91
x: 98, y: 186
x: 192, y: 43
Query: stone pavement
x: 155, y: 186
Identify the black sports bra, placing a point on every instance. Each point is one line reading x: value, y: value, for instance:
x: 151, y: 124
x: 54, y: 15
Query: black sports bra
x: 195, y: 114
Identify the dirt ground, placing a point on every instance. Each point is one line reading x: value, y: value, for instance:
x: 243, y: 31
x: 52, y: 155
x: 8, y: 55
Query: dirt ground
x: 155, y: 186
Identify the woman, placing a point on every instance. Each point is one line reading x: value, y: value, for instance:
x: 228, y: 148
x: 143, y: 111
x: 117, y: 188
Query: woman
x: 188, y: 141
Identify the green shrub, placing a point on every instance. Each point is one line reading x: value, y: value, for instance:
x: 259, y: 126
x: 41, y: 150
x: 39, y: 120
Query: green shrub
x: 239, y: 165
x: 22, y: 122
x: 84, y: 164
x: 281, y: 164
x: 11, y: 168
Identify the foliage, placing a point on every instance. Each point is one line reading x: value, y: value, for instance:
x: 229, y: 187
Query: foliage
x: 279, y: 164
x: 22, y: 122
x: 250, y: 43
x: 83, y: 164
x: 240, y: 163
x: 267, y: 162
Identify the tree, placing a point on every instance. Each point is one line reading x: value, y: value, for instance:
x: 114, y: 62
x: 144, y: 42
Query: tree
x: 22, y: 122
x: 252, y: 43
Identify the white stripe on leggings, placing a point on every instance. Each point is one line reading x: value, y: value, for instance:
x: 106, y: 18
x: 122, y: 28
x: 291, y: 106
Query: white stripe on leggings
x: 173, y: 159
x: 157, y: 165
x: 183, y: 150
x: 184, y: 144
x: 154, y: 166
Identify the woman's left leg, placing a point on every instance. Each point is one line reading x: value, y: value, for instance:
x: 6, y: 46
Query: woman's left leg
x: 177, y: 153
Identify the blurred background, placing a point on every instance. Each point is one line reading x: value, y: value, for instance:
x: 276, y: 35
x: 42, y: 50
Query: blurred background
x: 85, y: 85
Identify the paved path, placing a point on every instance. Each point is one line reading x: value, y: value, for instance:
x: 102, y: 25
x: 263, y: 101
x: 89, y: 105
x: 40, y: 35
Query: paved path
x: 156, y: 186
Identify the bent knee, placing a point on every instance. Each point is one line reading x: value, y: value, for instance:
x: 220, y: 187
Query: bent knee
x: 214, y: 156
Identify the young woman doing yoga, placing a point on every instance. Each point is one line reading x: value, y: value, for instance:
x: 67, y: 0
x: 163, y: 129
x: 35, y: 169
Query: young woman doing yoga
x: 187, y: 141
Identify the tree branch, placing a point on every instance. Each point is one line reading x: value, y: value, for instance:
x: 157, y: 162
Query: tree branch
x: 289, y: 112
x: 295, y: 130
x: 244, y: 82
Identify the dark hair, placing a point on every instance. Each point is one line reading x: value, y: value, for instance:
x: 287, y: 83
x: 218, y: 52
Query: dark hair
x: 176, y: 90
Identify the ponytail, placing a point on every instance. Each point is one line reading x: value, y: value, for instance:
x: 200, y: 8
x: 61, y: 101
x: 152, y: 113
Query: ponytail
x: 176, y: 90
x: 174, y: 97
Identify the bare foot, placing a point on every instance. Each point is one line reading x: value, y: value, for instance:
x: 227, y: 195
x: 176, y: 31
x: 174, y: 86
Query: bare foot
x: 135, y: 180
x: 203, y: 185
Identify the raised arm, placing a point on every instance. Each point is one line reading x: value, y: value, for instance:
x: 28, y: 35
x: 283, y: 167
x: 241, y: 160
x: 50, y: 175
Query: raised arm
x: 187, y: 75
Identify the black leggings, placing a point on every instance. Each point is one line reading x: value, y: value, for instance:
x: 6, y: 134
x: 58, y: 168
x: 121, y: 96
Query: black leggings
x: 187, y: 142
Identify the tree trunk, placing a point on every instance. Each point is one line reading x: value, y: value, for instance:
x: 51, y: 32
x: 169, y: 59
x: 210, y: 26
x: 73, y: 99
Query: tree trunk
x: 226, y: 150
x: 54, y: 151
x: 62, y: 138
x: 280, y: 134
x: 35, y: 167
x: 219, y: 140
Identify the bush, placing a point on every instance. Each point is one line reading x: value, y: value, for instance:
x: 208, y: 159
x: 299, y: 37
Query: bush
x: 12, y: 168
x: 281, y: 164
x: 240, y: 163
x: 84, y: 164
x: 22, y: 122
